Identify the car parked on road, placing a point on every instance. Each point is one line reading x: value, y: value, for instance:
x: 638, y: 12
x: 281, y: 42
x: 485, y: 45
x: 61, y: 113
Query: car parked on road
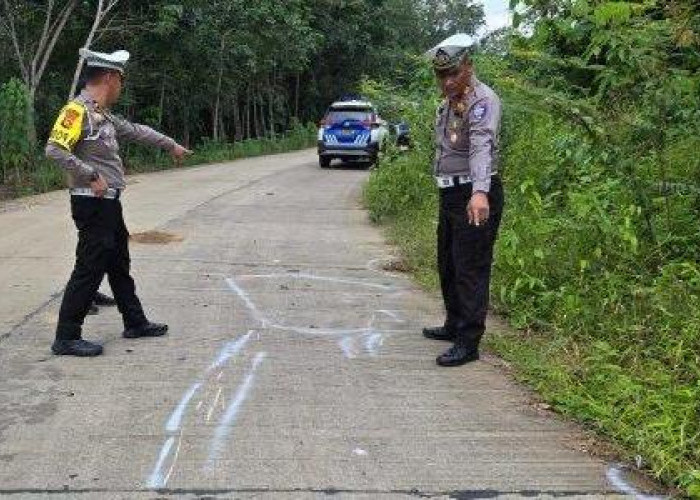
x: 351, y: 130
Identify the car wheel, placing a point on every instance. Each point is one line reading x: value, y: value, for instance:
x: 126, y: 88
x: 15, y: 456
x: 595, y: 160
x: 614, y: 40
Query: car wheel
x: 324, y: 161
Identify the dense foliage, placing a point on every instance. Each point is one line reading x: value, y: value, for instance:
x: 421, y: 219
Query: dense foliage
x: 217, y: 70
x: 597, y: 261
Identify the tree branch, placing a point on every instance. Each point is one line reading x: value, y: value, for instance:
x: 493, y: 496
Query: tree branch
x: 15, y: 43
x: 44, y: 37
x: 62, y: 20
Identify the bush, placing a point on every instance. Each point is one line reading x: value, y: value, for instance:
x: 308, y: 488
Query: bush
x: 15, y: 137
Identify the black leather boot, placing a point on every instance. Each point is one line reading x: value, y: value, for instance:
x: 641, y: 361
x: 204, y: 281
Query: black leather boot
x: 78, y: 347
x: 104, y: 300
x: 148, y: 329
x: 438, y: 333
x: 465, y: 350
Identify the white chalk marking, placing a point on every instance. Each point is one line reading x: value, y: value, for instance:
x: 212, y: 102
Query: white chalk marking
x: 360, y: 452
x: 156, y: 479
x: 346, y: 345
x: 319, y: 331
x: 174, y: 423
x: 174, y: 461
x: 247, y: 301
x: 229, y: 350
x: 614, y: 475
x: 332, y: 279
x: 392, y: 315
x: 175, y: 420
x: 229, y: 417
x: 214, y: 403
x: 372, y: 342
x: 199, y: 405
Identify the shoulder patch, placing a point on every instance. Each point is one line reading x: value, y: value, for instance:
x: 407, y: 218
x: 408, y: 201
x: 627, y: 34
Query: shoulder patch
x: 479, y: 111
x: 68, y: 128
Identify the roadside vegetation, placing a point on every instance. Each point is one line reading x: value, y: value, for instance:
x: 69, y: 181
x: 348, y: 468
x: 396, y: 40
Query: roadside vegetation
x: 597, y: 262
x: 227, y: 78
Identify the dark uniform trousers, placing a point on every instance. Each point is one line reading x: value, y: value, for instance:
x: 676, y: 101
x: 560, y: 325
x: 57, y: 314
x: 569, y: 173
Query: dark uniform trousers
x: 102, y: 249
x: 465, y: 254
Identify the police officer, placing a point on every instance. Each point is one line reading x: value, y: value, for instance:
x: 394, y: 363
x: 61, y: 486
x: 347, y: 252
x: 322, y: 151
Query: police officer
x: 85, y: 142
x: 471, y: 197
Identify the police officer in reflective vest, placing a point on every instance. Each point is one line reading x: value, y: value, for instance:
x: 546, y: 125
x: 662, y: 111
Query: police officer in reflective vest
x: 85, y: 142
x: 471, y: 197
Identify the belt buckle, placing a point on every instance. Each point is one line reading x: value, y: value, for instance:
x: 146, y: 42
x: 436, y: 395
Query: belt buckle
x: 444, y: 182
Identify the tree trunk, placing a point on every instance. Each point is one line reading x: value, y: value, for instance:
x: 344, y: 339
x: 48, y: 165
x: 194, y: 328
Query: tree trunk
x: 296, y: 98
x: 256, y: 124
x: 237, y: 130
x: 88, y: 41
x: 186, y: 124
x: 216, y: 119
x: 31, y: 123
x: 103, y: 8
x: 272, y: 105
x: 161, y: 103
x: 33, y: 65
x: 261, y: 113
x: 247, y: 113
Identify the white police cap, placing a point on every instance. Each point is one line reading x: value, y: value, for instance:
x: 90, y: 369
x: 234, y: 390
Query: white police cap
x: 116, y: 60
x: 451, y: 51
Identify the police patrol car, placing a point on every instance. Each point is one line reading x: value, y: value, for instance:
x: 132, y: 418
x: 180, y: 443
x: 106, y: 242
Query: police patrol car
x: 351, y: 130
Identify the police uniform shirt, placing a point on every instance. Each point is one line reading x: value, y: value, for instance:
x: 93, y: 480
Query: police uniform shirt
x: 467, y: 139
x: 86, y: 139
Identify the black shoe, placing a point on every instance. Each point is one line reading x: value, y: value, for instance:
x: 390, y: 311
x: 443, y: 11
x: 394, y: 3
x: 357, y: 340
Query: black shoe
x: 438, y: 333
x: 146, y: 330
x: 104, y: 300
x: 78, y: 347
x: 457, y: 356
x: 93, y: 310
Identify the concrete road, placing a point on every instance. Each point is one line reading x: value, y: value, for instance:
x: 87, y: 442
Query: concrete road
x: 294, y: 367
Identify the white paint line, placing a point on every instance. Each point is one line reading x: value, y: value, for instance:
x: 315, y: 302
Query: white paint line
x: 214, y: 403
x: 175, y: 420
x: 247, y: 301
x: 614, y: 475
x: 372, y: 342
x: 229, y: 350
x: 360, y: 452
x: 392, y: 315
x: 346, y: 345
x: 226, y: 423
x: 331, y: 279
x: 156, y: 479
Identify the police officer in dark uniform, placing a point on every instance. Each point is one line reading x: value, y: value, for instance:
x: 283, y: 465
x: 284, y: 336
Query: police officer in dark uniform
x: 471, y: 197
x: 85, y: 142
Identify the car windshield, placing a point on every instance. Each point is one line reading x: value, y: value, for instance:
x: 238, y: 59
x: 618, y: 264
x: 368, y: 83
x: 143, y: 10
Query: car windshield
x: 341, y: 115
